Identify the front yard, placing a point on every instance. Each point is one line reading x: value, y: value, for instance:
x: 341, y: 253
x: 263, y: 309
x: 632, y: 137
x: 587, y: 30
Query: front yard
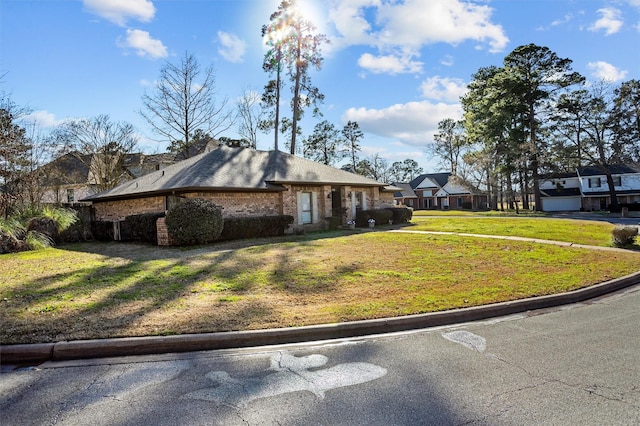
x: 97, y: 290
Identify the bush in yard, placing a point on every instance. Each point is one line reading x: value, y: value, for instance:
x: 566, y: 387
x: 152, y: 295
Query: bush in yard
x: 81, y: 229
x: 333, y: 222
x: 140, y: 227
x: 194, y: 221
x: 12, y: 234
x: 624, y: 235
x: 381, y: 216
x: 236, y: 228
x: 102, y: 231
x: 401, y: 214
x: 44, y: 226
x: 34, y: 228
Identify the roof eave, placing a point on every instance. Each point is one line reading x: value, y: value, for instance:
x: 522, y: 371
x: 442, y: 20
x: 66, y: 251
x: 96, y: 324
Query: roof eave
x: 174, y: 191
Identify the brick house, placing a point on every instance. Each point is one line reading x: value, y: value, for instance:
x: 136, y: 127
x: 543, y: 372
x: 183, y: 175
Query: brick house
x: 441, y: 191
x: 247, y: 182
x: 72, y: 176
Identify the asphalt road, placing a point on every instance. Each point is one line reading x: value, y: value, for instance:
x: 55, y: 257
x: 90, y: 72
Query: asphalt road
x: 579, y: 364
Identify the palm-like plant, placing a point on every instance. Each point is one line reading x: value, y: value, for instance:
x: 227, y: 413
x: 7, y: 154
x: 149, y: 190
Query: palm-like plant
x: 15, y: 228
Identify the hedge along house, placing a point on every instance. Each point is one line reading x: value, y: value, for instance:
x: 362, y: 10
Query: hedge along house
x: 245, y: 182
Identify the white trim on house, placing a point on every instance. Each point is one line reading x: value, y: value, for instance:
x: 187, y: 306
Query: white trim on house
x: 588, y: 192
x: 307, y: 208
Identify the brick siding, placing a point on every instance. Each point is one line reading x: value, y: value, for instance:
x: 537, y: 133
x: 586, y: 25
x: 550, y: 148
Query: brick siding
x: 112, y: 211
x: 246, y: 204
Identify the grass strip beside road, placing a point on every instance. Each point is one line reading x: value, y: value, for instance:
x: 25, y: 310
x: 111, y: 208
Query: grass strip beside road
x: 97, y: 290
x: 574, y: 231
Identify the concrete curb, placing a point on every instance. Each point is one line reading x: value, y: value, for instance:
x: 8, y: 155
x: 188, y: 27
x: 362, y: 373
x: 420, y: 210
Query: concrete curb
x: 82, y: 349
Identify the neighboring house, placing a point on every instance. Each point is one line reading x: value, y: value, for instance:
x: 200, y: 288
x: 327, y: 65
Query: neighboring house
x: 587, y: 189
x: 246, y: 182
x: 72, y: 177
x: 406, y: 196
x: 65, y: 180
x: 444, y: 191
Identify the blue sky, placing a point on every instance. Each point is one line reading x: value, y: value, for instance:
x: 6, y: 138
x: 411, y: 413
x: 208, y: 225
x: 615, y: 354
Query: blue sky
x: 395, y: 67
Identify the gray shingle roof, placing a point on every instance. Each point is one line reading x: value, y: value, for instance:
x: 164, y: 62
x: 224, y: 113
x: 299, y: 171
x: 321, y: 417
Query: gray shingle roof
x: 226, y: 169
x: 439, y: 178
x: 615, y: 169
x: 406, y: 191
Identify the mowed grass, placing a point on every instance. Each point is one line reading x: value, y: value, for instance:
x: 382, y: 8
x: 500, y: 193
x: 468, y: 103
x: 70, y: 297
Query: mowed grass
x: 98, y: 290
x: 573, y: 231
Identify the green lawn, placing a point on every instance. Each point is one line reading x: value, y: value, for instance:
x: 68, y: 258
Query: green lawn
x: 574, y: 231
x: 97, y: 290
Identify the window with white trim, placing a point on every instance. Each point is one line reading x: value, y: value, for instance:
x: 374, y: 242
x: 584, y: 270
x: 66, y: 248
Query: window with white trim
x: 307, y: 207
x: 306, y: 213
x: 594, y: 182
x: 358, y: 201
x: 617, y: 180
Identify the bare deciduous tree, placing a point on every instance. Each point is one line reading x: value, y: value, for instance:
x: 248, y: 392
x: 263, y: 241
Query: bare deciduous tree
x: 101, y: 145
x: 250, y: 114
x: 184, y: 101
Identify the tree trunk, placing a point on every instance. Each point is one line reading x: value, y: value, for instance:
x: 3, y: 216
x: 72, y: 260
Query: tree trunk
x: 296, y: 98
x: 511, y: 197
x: 277, y: 124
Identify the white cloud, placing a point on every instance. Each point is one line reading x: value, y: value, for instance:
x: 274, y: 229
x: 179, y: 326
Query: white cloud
x: 610, y: 21
x: 447, y: 61
x: 413, y: 123
x: 233, y: 48
x: 120, y: 11
x: 416, y: 22
x: 389, y: 64
x: 407, y: 26
x: 144, y: 45
x: 605, y: 71
x: 41, y: 118
x: 443, y: 88
x: 348, y: 16
x: 566, y: 19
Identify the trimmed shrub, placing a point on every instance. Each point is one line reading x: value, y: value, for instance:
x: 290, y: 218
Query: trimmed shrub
x: 633, y: 207
x: 401, y: 214
x: 102, y: 231
x: 236, y: 228
x: 81, y: 230
x: 467, y: 205
x: 624, y: 236
x: 140, y: 227
x: 333, y: 222
x: 194, y: 221
x: 381, y: 216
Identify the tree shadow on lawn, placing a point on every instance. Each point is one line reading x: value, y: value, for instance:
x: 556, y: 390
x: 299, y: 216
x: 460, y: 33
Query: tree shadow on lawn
x: 113, y: 299
x: 142, y: 251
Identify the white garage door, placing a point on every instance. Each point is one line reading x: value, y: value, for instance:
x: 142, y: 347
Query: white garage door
x: 561, y: 204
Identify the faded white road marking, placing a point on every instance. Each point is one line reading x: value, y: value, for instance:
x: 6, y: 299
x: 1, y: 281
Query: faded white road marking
x: 291, y: 374
x: 468, y: 339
